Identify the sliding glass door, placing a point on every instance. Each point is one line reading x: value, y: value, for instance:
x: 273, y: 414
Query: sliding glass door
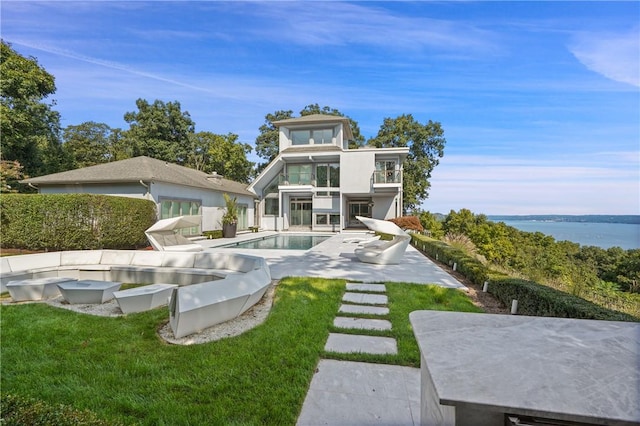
x: 358, y: 208
x: 300, y: 209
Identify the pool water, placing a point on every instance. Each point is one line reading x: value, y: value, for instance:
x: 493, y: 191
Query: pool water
x: 282, y: 242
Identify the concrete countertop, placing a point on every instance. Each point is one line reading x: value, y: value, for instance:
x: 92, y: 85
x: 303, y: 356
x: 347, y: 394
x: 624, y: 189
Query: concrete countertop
x: 567, y: 369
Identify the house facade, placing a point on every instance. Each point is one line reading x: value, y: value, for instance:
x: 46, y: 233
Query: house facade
x: 176, y: 190
x: 317, y: 183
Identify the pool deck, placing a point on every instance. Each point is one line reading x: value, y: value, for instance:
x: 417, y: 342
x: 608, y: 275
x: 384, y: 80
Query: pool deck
x: 335, y: 258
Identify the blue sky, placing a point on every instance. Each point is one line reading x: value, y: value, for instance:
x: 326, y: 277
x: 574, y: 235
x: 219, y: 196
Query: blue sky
x: 539, y: 101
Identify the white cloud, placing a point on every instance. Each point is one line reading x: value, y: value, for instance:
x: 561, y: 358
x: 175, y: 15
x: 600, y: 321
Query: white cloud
x: 338, y: 23
x: 615, y: 56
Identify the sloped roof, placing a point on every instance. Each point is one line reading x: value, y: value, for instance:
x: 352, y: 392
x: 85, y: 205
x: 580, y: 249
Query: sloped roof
x: 318, y: 119
x: 145, y: 169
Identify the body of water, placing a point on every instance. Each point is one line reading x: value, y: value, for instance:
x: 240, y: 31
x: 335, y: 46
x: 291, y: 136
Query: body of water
x: 605, y: 235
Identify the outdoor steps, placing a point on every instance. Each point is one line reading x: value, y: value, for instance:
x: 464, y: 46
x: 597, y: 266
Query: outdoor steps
x: 360, y: 300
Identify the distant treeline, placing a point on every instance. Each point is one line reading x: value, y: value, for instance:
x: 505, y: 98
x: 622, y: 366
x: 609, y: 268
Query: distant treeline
x: 597, y: 218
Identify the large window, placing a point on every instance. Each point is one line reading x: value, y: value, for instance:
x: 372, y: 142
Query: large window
x: 271, y: 206
x: 300, y: 137
x: 322, y: 136
x: 174, y: 208
x: 327, y: 219
x: 386, y: 172
x: 272, y: 188
x: 328, y: 176
x: 299, y: 174
x: 316, y: 136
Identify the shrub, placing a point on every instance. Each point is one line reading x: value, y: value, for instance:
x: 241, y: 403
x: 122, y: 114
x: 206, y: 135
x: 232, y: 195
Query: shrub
x: 74, y: 221
x: 533, y: 298
x: 539, y: 300
x: 408, y: 223
x: 16, y: 410
x: 212, y: 235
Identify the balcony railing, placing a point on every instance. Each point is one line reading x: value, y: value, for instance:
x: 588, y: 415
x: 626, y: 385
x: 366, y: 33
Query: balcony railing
x: 387, y: 176
x: 297, y: 179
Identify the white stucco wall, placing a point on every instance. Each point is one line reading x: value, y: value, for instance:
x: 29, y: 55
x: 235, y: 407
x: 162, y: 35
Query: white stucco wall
x: 356, y: 169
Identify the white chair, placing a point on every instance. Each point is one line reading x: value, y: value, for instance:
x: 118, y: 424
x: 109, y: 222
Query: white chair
x: 383, y: 252
x: 163, y: 237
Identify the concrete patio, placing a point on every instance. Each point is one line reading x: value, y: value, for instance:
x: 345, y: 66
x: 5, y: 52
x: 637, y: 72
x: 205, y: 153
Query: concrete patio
x: 335, y: 258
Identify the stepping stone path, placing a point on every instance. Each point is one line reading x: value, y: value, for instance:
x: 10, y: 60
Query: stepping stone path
x: 366, y: 299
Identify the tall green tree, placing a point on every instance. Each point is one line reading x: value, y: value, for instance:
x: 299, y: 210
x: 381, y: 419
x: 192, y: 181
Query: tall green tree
x: 267, y: 142
x: 89, y: 143
x: 29, y: 126
x: 222, y: 154
x: 159, y: 130
x: 426, y: 146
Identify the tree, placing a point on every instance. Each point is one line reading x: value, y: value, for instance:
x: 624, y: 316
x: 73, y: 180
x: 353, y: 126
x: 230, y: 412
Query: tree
x: 159, y: 130
x: 426, y: 146
x: 431, y: 223
x: 220, y: 153
x: 267, y: 142
x: 10, y: 174
x: 29, y: 126
x: 89, y: 143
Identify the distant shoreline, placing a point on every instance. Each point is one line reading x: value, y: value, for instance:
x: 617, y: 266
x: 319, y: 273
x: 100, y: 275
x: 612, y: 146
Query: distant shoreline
x: 627, y: 219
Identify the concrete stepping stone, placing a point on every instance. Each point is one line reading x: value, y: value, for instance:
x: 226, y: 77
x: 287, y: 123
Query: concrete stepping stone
x: 374, y: 288
x: 350, y: 343
x: 363, y: 309
x: 365, y: 299
x: 362, y: 323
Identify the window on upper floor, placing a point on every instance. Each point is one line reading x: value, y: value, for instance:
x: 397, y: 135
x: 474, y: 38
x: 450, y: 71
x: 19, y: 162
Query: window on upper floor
x: 299, y: 174
x: 386, y: 172
x: 272, y: 188
x: 315, y: 136
x: 328, y: 175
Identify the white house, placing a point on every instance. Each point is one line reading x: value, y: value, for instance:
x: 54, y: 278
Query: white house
x: 175, y: 189
x: 317, y: 183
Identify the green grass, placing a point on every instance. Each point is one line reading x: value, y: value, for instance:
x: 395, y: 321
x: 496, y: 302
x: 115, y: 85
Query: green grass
x: 121, y: 370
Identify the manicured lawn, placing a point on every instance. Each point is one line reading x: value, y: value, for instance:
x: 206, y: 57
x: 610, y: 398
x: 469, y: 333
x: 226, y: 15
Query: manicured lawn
x: 121, y: 370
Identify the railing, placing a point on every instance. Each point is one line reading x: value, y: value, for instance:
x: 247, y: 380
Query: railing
x: 297, y: 179
x: 387, y: 176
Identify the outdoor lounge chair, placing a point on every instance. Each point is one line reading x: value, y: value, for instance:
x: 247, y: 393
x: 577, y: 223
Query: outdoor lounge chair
x: 163, y: 237
x: 383, y: 252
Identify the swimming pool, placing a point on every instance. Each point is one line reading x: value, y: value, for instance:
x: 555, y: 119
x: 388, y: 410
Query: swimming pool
x: 281, y: 242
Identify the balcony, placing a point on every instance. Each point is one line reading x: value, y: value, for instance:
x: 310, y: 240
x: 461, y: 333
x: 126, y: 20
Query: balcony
x: 296, y: 179
x: 386, y: 180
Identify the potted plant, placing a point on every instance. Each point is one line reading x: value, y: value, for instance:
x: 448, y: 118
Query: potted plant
x: 230, y: 217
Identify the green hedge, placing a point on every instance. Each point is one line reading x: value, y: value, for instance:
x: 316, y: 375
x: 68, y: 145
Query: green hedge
x: 74, y: 221
x: 15, y: 410
x: 533, y: 298
x: 539, y: 300
x: 468, y: 266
